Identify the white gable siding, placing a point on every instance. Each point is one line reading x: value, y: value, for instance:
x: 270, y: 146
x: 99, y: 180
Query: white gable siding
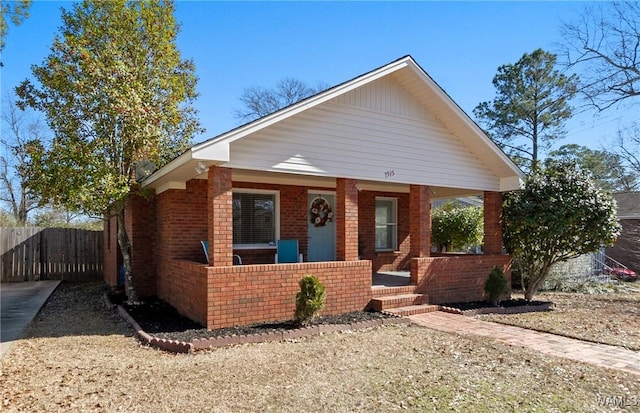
x: 377, y: 132
x: 385, y: 95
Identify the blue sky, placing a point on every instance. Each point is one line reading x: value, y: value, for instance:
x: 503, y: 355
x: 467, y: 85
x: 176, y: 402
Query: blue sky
x: 236, y: 45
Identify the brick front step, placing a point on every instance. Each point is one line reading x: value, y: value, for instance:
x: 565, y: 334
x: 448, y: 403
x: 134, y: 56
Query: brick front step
x: 387, y: 291
x: 395, y: 301
x: 413, y: 309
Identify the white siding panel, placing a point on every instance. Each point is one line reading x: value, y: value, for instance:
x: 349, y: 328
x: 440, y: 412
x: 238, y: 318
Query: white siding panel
x: 342, y: 140
x: 385, y: 95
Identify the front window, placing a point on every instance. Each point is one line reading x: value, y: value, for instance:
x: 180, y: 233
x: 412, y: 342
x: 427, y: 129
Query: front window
x: 386, y: 224
x: 254, y: 218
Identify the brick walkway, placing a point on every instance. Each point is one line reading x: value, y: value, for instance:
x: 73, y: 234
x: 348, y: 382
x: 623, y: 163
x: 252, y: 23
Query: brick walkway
x: 598, y: 354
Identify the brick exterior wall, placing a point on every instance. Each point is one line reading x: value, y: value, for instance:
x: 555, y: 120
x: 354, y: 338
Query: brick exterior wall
x: 169, y: 261
x: 181, y: 222
x: 420, y: 220
x: 346, y: 220
x: 383, y: 261
x: 140, y: 223
x: 140, y: 219
x: 220, y: 222
x: 492, y: 223
x: 183, y: 281
x: 455, y: 278
x: 112, y: 259
x: 248, y: 294
x: 626, y: 250
x: 241, y: 295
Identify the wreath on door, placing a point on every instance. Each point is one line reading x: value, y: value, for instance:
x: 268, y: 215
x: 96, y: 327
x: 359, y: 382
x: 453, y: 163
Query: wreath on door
x: 320, y: 212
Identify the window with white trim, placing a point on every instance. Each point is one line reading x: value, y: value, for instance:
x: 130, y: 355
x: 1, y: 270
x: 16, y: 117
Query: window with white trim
x: 386, y: 224
x: 255, y: 222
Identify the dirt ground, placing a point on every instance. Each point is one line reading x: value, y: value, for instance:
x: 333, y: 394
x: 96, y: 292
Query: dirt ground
x: 81, y: 357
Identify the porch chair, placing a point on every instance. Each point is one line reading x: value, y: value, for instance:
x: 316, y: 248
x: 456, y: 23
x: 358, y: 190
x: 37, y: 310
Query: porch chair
x: 288, y: 251
x: 205, y: 247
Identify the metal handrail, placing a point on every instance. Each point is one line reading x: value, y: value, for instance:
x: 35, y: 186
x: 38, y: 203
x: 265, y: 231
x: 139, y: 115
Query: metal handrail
x: 604, y: 264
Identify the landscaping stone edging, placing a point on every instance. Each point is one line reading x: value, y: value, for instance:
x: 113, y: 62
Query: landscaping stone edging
x: 499, y: 310
x: 175, y: 346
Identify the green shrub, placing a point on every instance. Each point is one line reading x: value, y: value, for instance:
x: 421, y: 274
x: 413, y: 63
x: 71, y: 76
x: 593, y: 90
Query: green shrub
x: 456, y: 227
x: 309, y: 300
x: 496, y: 286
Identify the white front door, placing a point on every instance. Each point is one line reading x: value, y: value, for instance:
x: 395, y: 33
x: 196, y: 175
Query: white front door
x: 322, y: 227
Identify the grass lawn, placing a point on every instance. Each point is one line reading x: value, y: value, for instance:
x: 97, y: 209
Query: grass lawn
x: 79, y: 356
x: 609, y: 316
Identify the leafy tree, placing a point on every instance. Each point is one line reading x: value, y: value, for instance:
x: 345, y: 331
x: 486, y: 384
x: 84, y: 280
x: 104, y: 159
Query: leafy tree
x: 17, y: 130
x: 605, y: 44
x: 15, y: 11
x: 607, y: 169
x: 560, y: 214
x: 530, y: 107
x: 456, y: 227
x: 60, y: 218
x: 6, y: 220
x: 259, y: 101
x: 115, y: 92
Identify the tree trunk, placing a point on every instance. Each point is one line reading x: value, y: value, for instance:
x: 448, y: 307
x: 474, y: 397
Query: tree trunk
x: 125, y: 248
x: 533, y: 286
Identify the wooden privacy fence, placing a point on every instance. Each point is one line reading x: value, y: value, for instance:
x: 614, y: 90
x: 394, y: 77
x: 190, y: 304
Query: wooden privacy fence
x: 34, y: 253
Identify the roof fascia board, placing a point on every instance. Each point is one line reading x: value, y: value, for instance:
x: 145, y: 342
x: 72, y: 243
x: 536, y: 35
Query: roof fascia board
x: 171, y: 185
x: 510, y: 183
x: 218, y: 152
x: 174, y: 164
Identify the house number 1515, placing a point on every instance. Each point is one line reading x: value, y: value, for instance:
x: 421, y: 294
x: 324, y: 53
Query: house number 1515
x: 389, y: 174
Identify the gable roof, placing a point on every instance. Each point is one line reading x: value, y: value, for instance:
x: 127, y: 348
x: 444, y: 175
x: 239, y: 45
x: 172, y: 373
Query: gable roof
x: 409, y: 82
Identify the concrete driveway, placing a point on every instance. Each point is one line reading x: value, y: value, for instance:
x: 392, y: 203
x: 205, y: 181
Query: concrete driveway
x: 19, y: 303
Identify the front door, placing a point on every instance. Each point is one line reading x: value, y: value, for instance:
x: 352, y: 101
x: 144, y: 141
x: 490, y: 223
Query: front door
x: 322, y: 227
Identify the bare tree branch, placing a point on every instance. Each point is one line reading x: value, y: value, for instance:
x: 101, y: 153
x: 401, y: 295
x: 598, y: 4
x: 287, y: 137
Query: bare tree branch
x: 20, y: 129
x: 259, y: 102
x: 604, y: 45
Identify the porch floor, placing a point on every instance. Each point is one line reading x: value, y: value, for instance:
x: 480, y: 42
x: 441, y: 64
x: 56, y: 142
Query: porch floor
x: 391, y: 279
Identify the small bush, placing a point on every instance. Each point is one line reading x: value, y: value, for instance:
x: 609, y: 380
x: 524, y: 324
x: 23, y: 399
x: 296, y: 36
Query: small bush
x: 496, y: 286
x: 309, y: 300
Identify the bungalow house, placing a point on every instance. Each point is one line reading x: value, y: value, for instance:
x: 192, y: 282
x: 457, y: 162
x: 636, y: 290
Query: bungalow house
x: 350, y: 173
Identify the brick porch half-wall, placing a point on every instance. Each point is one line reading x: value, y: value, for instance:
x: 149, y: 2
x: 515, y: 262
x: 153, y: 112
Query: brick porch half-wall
x: 220, y: 297
x: 456, y: 278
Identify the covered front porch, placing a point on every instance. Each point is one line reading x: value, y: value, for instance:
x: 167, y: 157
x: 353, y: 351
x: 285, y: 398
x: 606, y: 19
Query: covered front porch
x: 219, y: 294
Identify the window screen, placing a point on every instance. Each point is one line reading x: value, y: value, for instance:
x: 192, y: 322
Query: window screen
x: 253, y: 218
x: 386, y: 225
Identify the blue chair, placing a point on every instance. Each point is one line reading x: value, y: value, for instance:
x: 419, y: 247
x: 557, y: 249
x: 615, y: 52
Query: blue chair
x: 288, y: 251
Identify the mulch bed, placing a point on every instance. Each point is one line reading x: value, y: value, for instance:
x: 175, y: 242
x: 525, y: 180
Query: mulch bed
x: 159, y: 319
x: 512, y: 306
